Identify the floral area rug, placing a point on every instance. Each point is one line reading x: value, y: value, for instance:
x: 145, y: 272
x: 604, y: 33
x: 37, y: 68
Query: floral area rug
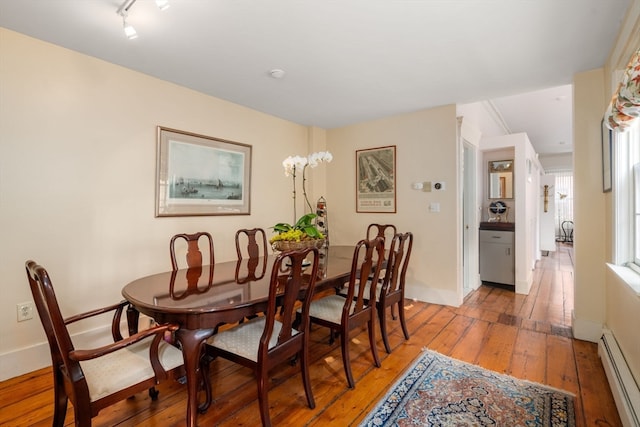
x: 440, y: 391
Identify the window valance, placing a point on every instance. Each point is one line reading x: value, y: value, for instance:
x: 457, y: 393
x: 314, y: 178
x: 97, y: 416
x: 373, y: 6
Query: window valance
x: 624, y: 107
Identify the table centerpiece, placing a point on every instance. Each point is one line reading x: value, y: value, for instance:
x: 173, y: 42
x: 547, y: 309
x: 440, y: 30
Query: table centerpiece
x: 302, y: 234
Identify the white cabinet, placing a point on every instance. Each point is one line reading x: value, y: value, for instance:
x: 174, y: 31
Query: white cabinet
x: 497, y: 260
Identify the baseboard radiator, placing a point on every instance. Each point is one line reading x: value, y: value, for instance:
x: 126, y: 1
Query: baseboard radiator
x: 626, y: 392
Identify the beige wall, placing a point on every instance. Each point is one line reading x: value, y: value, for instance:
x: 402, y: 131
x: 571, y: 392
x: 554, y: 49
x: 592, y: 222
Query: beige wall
x: 426, y: 150
x: 590, y: 231
x: 77, y: 172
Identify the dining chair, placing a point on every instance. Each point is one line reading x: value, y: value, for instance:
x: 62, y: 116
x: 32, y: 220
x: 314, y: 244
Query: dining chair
x: 194, y: 256
x: 345, y: 314
x: 276, y: 337
x: 254, y: 242
x: 390, y: 289
x: 96, y: 378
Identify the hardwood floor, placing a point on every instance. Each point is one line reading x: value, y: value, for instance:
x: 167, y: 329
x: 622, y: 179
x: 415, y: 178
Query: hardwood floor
x: 528, y: 337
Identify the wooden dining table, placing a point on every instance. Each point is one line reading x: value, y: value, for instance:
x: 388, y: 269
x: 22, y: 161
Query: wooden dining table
x: 201, y: 299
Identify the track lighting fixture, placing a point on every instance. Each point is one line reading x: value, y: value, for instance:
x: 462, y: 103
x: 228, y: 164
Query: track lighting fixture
x: 123, y: 11
x: 129, y: 31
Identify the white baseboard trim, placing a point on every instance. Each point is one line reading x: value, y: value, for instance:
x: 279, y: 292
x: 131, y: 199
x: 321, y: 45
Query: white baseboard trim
x: 24, y: 360
x: 626, y: 391
x: 28, y: 359
x: 432, y: 295
x: 586, y: 330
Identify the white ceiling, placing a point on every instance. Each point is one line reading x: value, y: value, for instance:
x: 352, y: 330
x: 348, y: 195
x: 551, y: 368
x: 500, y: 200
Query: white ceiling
x: 347, y: 61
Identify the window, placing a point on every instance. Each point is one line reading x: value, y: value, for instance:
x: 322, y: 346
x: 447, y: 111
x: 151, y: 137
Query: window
x: 627, y: 197
x: 564, y: 201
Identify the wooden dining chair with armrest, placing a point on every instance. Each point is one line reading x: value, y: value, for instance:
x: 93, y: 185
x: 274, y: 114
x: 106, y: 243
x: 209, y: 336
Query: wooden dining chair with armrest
x: 254, y: 241
x: 279, y: 335
x: 96, y: 378
x: 345, y: 314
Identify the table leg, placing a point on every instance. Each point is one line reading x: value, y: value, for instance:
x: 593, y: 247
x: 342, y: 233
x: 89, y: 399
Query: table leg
x: 192, y: 342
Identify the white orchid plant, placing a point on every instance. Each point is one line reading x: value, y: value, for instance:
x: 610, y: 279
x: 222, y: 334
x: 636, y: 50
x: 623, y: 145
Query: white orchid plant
x: 293, y: 164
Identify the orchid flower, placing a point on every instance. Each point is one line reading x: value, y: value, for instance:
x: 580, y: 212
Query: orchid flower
x: 293, y: 164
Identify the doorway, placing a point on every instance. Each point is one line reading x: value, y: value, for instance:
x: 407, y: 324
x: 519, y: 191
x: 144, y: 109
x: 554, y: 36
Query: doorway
x: 470, y: 266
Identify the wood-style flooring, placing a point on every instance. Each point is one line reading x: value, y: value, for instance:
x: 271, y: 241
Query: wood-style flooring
x: 528, y: 337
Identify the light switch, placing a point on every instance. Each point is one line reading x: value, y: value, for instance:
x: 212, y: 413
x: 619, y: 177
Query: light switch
x: 434, y: 207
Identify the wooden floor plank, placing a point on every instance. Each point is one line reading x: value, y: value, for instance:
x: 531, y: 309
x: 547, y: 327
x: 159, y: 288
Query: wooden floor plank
x: 527, y: 336
x: 595, y: 394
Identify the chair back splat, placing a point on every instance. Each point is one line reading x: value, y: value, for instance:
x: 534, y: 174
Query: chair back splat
x: 279, y: 335
x: 96, y: 378
x: 194, y: 256
x: 255, y: 242
x: 386, y: 231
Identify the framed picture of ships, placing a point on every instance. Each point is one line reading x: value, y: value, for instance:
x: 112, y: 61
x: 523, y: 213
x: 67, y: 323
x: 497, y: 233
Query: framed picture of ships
x: 201, y: 175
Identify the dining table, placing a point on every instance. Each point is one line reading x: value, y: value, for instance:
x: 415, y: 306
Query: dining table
x: 201, y: 299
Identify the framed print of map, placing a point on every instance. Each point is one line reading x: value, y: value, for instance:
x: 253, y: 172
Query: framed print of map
x: 376, y: 180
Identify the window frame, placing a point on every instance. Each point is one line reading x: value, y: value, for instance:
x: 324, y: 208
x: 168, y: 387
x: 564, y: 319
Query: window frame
x: 626, y: 197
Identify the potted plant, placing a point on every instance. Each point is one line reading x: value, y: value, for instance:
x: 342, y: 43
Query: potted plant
x: 301, y: 235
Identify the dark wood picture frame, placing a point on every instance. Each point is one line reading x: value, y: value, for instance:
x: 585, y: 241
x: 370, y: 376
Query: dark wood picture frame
x: 376, y: 180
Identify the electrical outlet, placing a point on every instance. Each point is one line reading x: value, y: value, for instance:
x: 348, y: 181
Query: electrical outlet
x: 25, y: 311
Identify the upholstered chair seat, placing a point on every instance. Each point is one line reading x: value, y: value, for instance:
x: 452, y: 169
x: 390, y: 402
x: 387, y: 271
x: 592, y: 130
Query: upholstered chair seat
x: 244, y: 339
x: 329, y: 308
x: 123, y: 368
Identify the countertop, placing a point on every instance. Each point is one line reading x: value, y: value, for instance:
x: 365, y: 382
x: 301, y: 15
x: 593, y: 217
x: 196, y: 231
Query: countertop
x: 498, y: 226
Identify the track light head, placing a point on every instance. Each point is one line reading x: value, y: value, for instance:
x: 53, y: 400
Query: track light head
x: 129, y: 31
x: 123, y: 11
